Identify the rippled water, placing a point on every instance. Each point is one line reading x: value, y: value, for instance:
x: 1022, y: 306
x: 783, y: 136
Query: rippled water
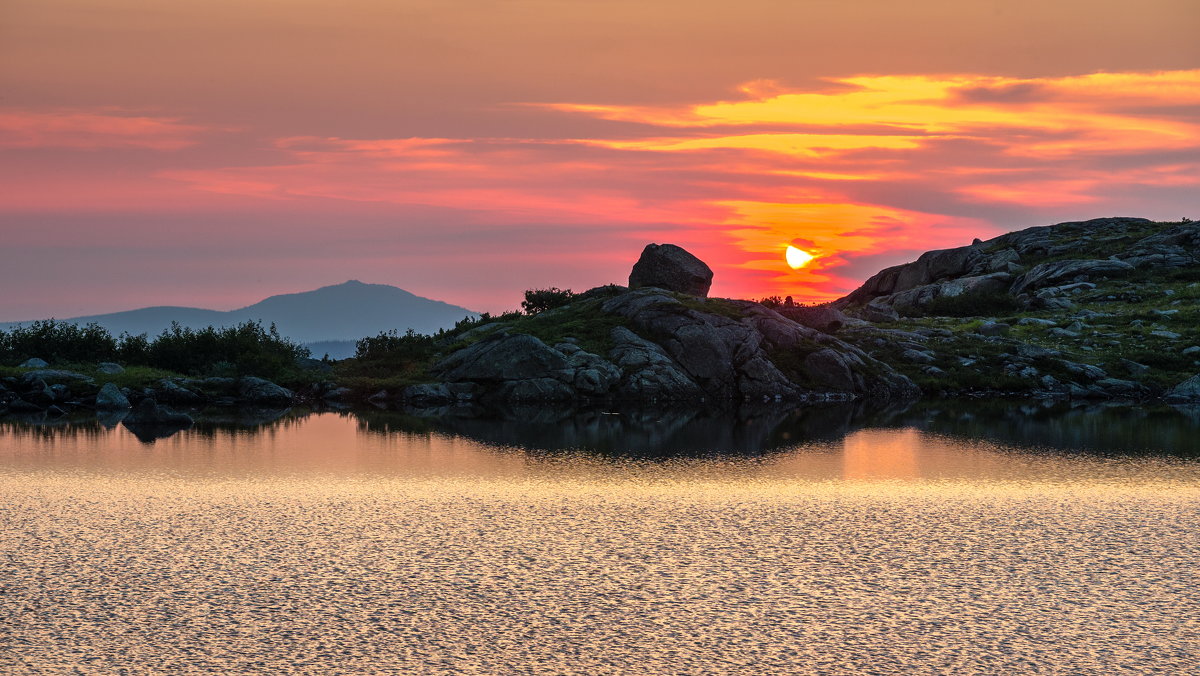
x: 380, y: 544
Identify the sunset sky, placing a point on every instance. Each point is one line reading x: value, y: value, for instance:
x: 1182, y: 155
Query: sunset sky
x: 211, y: 153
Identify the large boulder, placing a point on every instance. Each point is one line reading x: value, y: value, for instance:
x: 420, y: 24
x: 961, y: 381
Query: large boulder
x: 263, y: 392
x: 501, y: 357
x: 1186, y: 392
x: 670, y: 267
x: 829, y: 368
x: 648, y: 372
x: 34, y: 363
x: 1058, y: 272
x: 919, y: 297
x: 170, y: 392
x: 110, y: 398
x: 932, y: 266
x: 822, y: 317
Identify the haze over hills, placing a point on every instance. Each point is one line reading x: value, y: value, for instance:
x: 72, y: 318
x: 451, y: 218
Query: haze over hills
x: 328, y: 319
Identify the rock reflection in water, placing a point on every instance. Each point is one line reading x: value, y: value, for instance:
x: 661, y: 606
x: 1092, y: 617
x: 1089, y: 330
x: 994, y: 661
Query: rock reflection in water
x: 640, y: 432
x: 748, y: 431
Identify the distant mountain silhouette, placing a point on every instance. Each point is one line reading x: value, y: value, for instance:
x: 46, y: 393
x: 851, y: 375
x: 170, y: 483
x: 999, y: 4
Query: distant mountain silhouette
x: 331, y: 317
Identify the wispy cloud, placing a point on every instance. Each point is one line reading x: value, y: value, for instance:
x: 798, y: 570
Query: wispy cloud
x: 95, y: 130
x: 872, y: 168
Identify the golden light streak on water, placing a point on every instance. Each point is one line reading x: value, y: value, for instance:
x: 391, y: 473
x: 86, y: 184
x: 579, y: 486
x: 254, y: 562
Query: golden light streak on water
x: 891, y: 551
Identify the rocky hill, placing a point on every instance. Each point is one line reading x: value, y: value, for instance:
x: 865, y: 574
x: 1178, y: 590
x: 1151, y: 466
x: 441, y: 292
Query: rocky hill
x: 1106, y: 308
x: 1101, y: 309
x: 660, y: 339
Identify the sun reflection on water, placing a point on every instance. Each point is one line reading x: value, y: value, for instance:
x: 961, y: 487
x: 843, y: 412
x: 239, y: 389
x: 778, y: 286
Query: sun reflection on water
x: 324, y: 547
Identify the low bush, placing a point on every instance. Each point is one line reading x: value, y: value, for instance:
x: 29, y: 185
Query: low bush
x: 394, y: 347
x: 246, y: 349
x: 540, y: 300
x: 58, y: 342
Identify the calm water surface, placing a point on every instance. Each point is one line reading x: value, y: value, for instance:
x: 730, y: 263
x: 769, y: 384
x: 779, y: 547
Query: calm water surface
x: 991, y: 540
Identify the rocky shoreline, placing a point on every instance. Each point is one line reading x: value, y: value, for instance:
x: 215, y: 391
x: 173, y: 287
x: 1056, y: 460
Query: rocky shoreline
x: 1107, y: 309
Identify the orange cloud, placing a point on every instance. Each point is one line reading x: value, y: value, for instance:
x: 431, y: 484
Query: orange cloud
x: 871, y: 170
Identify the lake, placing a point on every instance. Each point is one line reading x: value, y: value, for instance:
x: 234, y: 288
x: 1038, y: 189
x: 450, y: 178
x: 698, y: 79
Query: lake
x: 943, y: 538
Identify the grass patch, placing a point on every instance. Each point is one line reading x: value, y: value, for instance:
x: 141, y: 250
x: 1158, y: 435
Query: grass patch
x: 722, y: 307
x: 969, y: 304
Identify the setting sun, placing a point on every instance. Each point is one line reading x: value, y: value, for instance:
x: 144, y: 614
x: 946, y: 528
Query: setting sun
x: 797, y: 258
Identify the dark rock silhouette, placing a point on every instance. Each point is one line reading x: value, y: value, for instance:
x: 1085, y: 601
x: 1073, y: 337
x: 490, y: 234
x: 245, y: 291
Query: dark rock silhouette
x: 670, y: 267
x: 111, y: 399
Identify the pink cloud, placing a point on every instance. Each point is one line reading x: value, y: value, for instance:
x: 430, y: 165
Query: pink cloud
x: 869, y: 170
x: 94, y: 130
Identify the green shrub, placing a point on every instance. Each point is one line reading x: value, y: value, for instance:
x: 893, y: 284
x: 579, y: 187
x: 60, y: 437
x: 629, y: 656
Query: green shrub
x: 540, y: 300
x: 393, y: 347
x: 57, y: 341
x: 246, y: 349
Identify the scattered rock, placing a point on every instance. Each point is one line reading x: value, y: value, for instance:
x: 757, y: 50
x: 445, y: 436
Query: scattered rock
x: 878, y: 312
x: 1133, y: 368
x: 34, y: 363
x: 1120, y: 388
x: 1187, y: 391
x: 169, y: 392
x: 993, y: 328
x: 670, y: 267
x: 1084, y: 370
x: 109, y: 368
x: 1169, y: 335
x: 1035, y: 321
x: 263, y: 392
x: 917, y: 356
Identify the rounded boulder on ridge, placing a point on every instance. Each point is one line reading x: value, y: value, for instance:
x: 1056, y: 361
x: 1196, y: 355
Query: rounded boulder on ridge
x: 670, y: 267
